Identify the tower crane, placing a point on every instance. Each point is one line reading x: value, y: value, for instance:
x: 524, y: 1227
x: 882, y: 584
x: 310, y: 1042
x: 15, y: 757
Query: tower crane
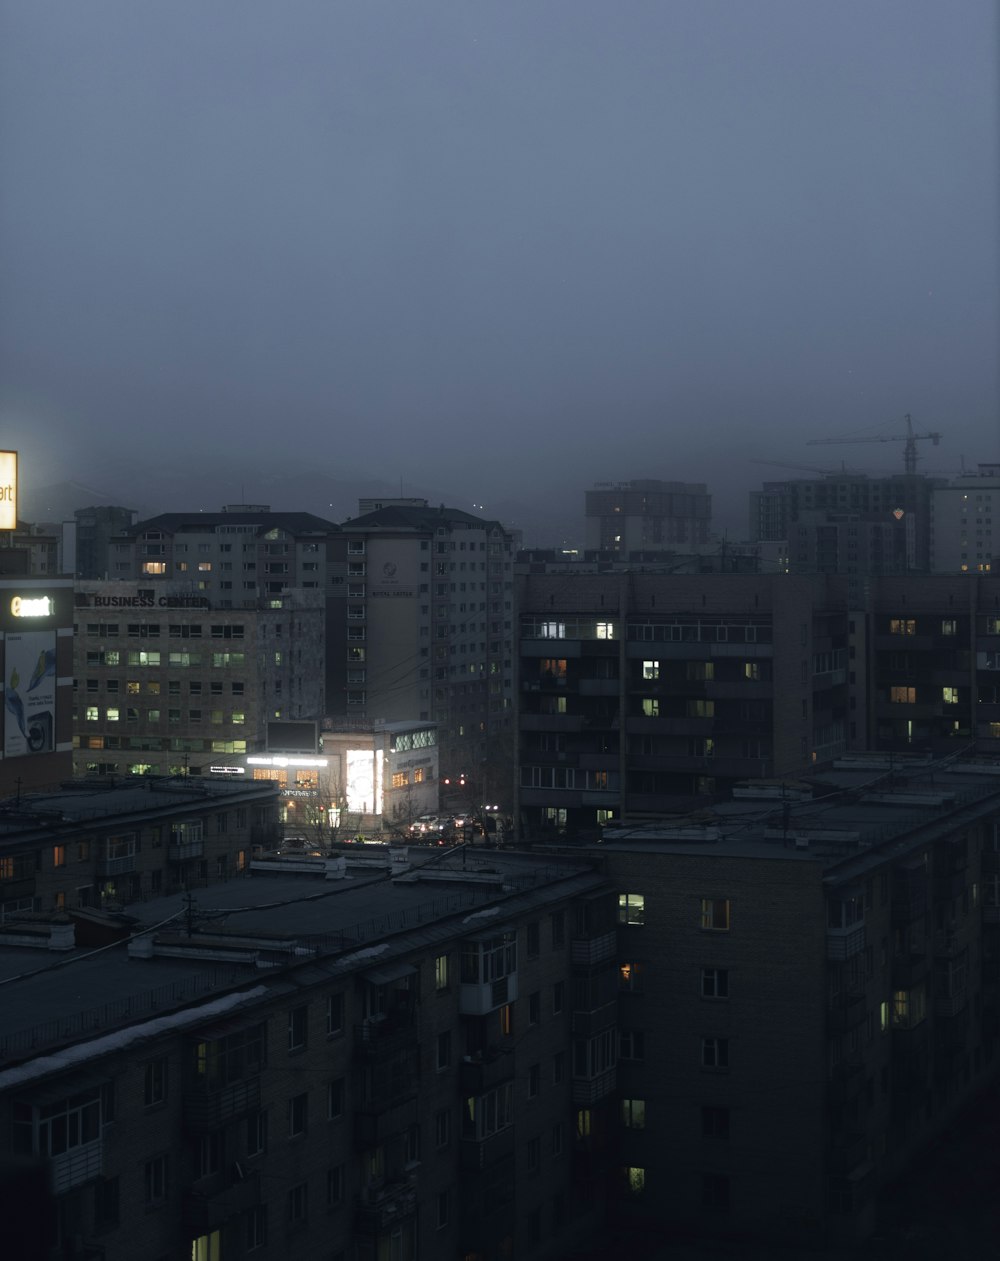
x: 910, y: 438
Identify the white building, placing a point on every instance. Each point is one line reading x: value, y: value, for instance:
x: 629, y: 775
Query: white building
x: 964, y: 515
x: 426, y: 626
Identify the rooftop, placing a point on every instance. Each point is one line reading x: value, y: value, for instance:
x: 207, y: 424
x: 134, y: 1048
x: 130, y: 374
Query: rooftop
x: 88, y: 801
x: 252, y: 933
x: 207, y: 522
x: 862, y: 811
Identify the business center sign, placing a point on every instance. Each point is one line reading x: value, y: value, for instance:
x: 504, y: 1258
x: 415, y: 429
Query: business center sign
x: 8, y: 490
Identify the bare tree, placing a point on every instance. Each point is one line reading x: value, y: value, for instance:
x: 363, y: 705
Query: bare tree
x: 323, y: 815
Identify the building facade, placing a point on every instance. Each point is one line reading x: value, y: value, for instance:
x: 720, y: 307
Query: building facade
x: 390, y: 1070
x: 890, y: 518
x: 96, y: 527
x: 169, y: 682
x: 808, y: 997
x: 963, y: 512
x: 102, y: 844
x: 424, y: 627
x: 932, y: 663
x: 647, y: 515
x: 643, y: 692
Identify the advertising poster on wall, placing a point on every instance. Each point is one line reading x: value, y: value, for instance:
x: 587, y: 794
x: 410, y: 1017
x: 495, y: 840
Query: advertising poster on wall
x: 29, y: 693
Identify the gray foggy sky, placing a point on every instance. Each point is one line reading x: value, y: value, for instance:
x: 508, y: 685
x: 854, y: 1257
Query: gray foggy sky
x: 499, y: 250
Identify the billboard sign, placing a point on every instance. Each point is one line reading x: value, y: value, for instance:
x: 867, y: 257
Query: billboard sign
x: 8, y: 490
x: 29, y: 693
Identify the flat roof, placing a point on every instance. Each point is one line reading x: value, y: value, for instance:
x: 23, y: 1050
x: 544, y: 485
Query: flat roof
x: 342, y: 927
x: 857, y: 817
x: 139, y: 795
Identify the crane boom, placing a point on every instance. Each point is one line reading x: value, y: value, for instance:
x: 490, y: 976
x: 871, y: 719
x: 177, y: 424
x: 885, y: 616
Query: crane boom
x: 910, y: 438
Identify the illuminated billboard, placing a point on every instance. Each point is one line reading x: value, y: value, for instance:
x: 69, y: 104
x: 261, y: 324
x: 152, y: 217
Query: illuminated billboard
x: 8, y: 490
x: 29, y: 693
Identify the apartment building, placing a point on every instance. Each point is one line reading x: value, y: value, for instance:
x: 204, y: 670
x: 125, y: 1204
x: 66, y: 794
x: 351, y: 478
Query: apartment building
x: 932, y: 662
x: 647, y: 515
x: 242, y: 557
x: 418, y: 1062
x: 423, y: 629
x: 890, y: 518
x: 861, y: 544
x: 808, y: 995
x: 963, y: 512
x: 96, y: 527
x: 170, y: 682
x: 643, y: 692
x: 100, y: 843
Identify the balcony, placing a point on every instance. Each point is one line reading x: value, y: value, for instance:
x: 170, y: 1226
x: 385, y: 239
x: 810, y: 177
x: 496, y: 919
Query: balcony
x: 382, y: 1039
x: 551, y: 722
x: 590, y: 1090
x: 207, y: 1108
x: 109, y: 867
x: 375, y: 1123
x: 481, y: 1153
x: 598, y: 687
x: 909, y: 1043
x: 218, y: 1199
x: 585, y: 951
x: 184, y: 851
x: 77, y: 1166
x: 479, y: 1074
x: 487, y: 996
x: 380, y: 1206
x: 588, y: 1024
x: 845, y: 942
x: 948, y: 1006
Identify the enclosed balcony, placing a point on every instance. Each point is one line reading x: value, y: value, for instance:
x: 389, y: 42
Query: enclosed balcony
x: 216, y: 1200
x: 384, y: 1204
x: 488, y: 978
x: 208, y: 1108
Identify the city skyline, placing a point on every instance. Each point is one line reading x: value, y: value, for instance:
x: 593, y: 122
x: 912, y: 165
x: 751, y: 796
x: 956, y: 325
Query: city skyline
x: 495, y: 254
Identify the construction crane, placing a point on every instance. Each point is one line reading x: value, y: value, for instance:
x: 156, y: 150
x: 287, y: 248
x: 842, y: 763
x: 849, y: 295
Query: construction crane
x: 910, y: 438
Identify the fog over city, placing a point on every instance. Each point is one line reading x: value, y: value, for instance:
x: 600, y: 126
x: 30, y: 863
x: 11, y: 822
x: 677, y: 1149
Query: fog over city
x: 490, y: 253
